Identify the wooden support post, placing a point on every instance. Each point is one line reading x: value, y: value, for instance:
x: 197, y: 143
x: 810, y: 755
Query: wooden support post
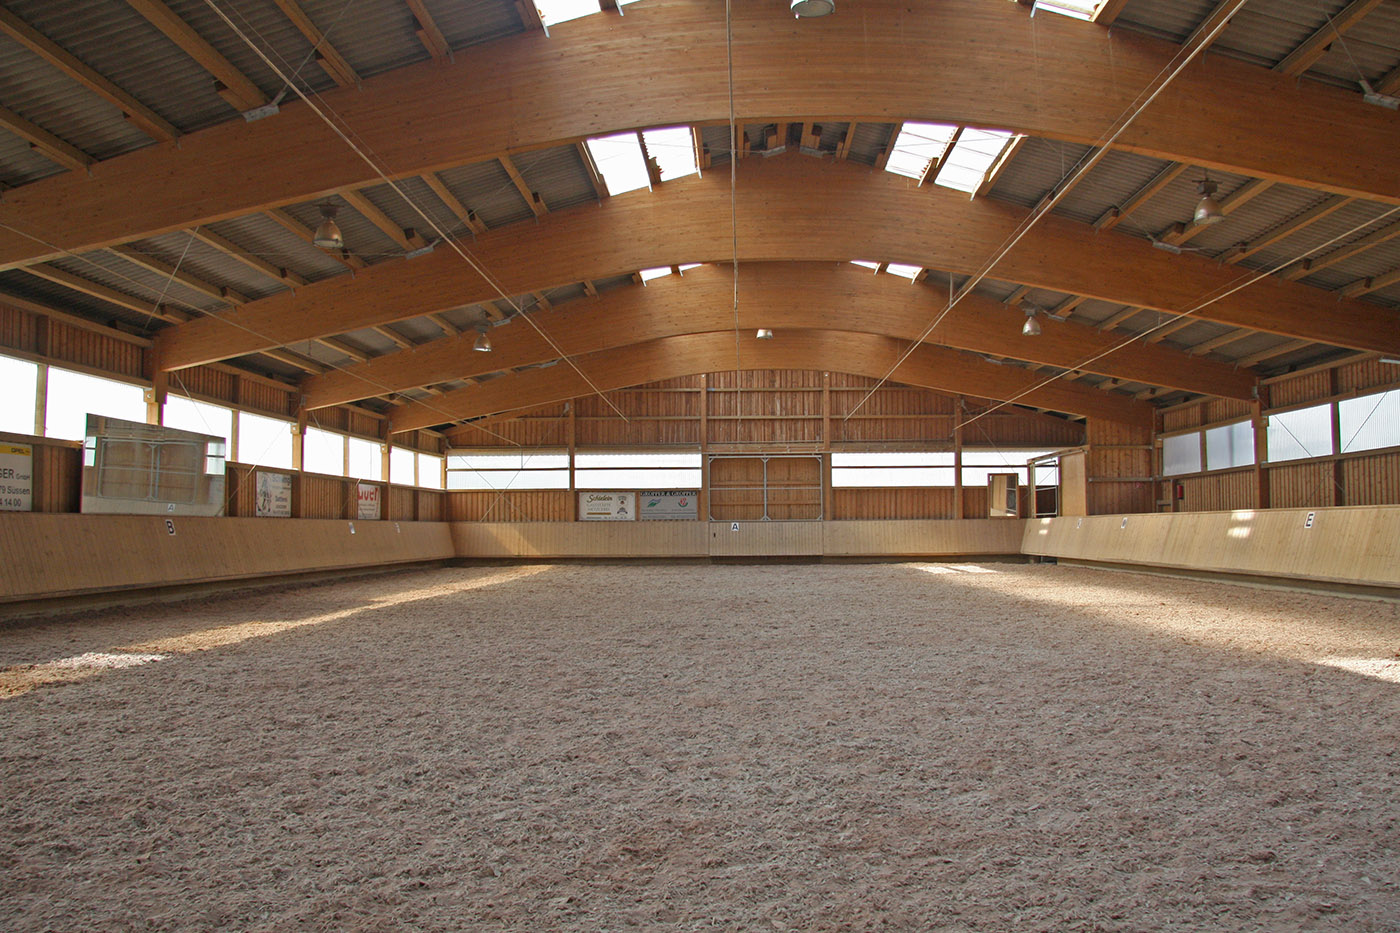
x: 827, y: 497
x: 1338, y: 493
x: 41, y: 401
x: 573, y: 449
x: 958, y: 409
x: 1261, y: 441
x: 702, y: 507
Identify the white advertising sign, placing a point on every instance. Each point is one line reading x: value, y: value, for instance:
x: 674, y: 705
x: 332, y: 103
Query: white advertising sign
x: 607, y: 506
x: 369, y: 503
x: 667, y: 505
x: 16, y: 478
x: 274, y: 495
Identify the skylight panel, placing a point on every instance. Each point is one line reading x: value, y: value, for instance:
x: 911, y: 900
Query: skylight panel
x: 903, y: 271
x: 619, y: 160
x: 656, y: 273
x: 970, y: 159
x: 673, y: 148
x: 1078, y: 9
x: 916, y: 146
x: 865, y: 263
x: 554, y: 12
x: 690, y: 265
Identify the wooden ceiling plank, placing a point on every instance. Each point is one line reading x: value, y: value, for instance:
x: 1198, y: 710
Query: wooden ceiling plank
x: 944, y: 228
x: 331, y: 61
x: 47, y: 144
x: 532, y: 198
x: 427, y: 30
x: 784, y: 295
x: 257, y: 263
x: 1315, y: 46
x: 407, y: 239
x: 146, y: 119
x: 235, y: 87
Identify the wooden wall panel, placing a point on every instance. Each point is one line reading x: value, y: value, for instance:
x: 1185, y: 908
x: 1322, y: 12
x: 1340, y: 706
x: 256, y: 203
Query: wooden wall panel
x: 542, y: 505
x: 17, y: 328
x: 324, y: 497
x: 402, y: 503
x: 923, y: 538
x: 50, y: 555
x: 432, y: 505
x: 975, y: 502
x: 1305, y: 387
x: 580, y: 539
x: 1343, y: 545
x: 934, y: 502
x: 68, y: 344
x: 265, y: 398
x: 205, y: 382
x: 1372, y: 480
x: 1366, y: 375
x: 1301, y: 485
x: 1214, y: 492
x: 58, y: 475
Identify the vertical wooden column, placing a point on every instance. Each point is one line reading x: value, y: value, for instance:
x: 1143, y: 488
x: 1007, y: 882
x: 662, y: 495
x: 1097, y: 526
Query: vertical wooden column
x: 1261, y: 449
x: 41, y: 402
x: 825, y: 450
x: 702, y: 508
x: 298, y: 450
x: 160, y: 385
x: 1335, y: 470
x: 958, y: 410
x: 573, y: 450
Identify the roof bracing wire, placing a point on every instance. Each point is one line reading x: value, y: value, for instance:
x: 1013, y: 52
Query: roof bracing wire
x: 336, y: 126
x: 1160, y: 82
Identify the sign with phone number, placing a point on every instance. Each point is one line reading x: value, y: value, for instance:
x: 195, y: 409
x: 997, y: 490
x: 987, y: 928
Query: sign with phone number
x: 16, y: 478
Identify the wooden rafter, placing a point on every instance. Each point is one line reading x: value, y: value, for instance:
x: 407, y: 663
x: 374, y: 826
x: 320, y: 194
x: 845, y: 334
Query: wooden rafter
x: 47, y: 144
x: 143, y: 117
x: 934, y: 165
x: 407, y: 239
x: 1315, y: 46
x: 458, y: 209
x: 1109, y: 11
x: 303, y: 232
x: 427, y: 31
x: 256, y: 263
x: 1370, y: 284
x: 331, y: 61
x: 1304, y: 220
x: 999, y: 167
x: 97, y: 290
x: 1317, y: 264
x: 1111, y: 217
x: 595, y: 178
x: 532, y: 198
x: 1237, y: 199
x: 233, y: 85
x: 187, y: 279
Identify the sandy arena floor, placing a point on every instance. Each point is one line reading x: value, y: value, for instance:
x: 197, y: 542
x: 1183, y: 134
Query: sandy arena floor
x: 988, y: 747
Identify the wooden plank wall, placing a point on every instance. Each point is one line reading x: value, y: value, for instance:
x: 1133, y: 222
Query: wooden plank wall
x: 1356, y: 545
x: 1119, y: 467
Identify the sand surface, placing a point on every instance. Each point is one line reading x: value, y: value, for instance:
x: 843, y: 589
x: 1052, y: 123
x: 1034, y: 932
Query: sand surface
x: 986, y: 747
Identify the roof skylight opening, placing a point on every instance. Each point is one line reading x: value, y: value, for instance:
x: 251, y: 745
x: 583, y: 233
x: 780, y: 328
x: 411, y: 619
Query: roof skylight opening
x: 865, y: 263
x: 656, y: 273
x: 903, y: 271
x: 1078, y: 9
x: 619, y: 160
x: 970, y: 159
x: 688, y: 266
x: 916, y: 146
x: 673, y: 148
x: 554, y: 12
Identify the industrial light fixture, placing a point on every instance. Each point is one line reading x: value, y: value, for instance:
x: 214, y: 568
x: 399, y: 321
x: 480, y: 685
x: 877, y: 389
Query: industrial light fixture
x: 483, y: 341
x: 327, y: 235
x: 804, y: 9
x: 1208, y: 209
x: 1376, y: 98
x: 1032, y: 327
x: 764, y: 334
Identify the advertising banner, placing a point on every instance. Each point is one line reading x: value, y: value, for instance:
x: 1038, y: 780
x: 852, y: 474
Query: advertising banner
x: 607, y: 506
x: 16, y: 478
x: 668, y: 505
x: 369, y: 502
x: 274, y: 495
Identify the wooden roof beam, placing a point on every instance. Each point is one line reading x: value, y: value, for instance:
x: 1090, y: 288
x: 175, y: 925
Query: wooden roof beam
x: 464, y: 215
x: 1316, y: 264
x: 1315, y: 46
x: 940, y: 229
x: 331, y: 61
x: 784, y: 295
x: 233, y: 86
x: 143, y: 117
x: 532, y: 198
x: 45, y: 143
x: 427, y: 30
x: 407, y: 238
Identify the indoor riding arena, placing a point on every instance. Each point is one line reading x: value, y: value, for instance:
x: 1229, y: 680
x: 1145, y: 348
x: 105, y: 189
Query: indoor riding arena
x: 809, y: 465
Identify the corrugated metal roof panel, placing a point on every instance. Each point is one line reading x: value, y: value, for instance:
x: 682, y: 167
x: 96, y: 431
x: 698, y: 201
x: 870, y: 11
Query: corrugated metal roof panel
x: 50, y: 99
x: 373, y: 35
x: 1372, y: 46
x: 270, y: 31
x: 469, y: 22
x: 117, y: 42
x: 870, y: 140
x: 361, y: 237
x: 1170, y: 18
x: 1274, y: 207
x: 558, y: 175
x: 278, y: 245
x: 116, y: 273
x: 484, y: 187
x: 1176, y: 203
x: 1348, y: 223
x: 1037, y: 166
x: 716, y: 139
x: 1268, y: 32
x: 21, y: 163
x: 1115, y: 179
x: 402, y: 202
x: 22, y: 284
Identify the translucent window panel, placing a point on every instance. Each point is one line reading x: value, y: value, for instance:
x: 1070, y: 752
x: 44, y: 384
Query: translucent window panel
x: 429, y: 471
x: 19, y: 381
x: 637, y: 479
x: 865, y: 263
x: 673, y: 148
x: 600, y: 461
x: 619, y: 161
x: 977, y: 475
x: 507, y: 479
x: 1181, y: 453
x: 1046, y: 474
x: 200, y: 417
x: 1370, y: 421
x: 903, y: 271
x: 323, y: 452
x: 1230, y: 445
x: 1301, y: 433
x: 402, y: 465
x: 647, y: 275
x: 553, y: 12
x: 1078, y: 9
x: 916, y: 146
x: 264, y: 441
x: 974, y: 153
x: 892, y: 459
x: 892, y: 476
x: 524, y: 460
x: 366, y: 459
x: 72, y: 396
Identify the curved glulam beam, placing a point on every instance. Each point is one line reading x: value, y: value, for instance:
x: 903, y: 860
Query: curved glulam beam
x: 789, y: 207
x: 806, y: 296
x: 964, y: 61
x: 839, y: 351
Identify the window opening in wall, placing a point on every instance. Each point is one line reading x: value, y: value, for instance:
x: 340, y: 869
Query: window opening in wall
x: 1230, y: 445
x: 1370, y: 422
x: 1300, y: 433
x: 492, y: 470
x: 366, y: 460
x: 323, y: 452
x: 670, y: 470
x: 19, y: 381
x: 73, y: 396
x: 200, y: 417
x: 1181, y: 453
x: 403, y: 464
x: 264, y: 441
x: 886, y: 469
x: 429, y: 471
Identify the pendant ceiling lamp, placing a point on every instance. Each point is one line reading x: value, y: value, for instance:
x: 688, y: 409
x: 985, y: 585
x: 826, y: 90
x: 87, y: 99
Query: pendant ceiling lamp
x: 483, y: 342
x: 764, y: 334
x: 1208, y: 210
x: 327, y: 235
x: 804, y: 9
x: 1032, y: 327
